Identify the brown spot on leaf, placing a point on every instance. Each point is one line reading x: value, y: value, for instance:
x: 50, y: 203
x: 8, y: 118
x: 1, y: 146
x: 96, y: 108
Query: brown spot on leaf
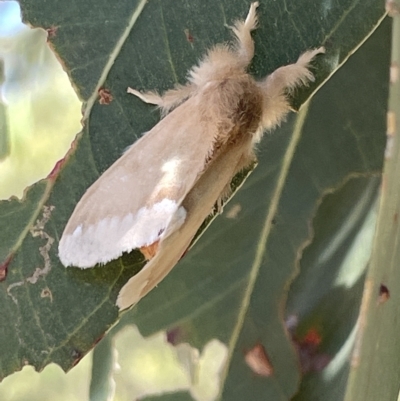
x: 51, y: 32
x: 189, y: 36
x: 257, y: 360
x: 4, y: 268
x: 384, y: 294
x: 46, y: 293
x: 56, y: 169
x: 105, y: 96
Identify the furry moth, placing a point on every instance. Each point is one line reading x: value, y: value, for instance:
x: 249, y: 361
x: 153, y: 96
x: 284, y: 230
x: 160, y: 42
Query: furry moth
x: 208, y: 134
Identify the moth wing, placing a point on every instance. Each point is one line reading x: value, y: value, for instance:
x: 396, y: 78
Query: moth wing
x: 137, y: 201
x: 198, y: 204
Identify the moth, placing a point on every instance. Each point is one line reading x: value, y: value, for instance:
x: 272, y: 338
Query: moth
x: 208, y: 133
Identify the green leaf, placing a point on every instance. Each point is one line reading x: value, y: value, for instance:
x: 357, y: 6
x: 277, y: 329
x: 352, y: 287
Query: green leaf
x: 375, y: 364
x: 230, y: 284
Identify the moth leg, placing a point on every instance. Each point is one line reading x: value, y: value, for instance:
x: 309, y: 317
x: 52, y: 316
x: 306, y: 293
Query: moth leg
x: 242, y: 30
x: 282, y: 81
x: 147, y: 97
x: 169, y: 100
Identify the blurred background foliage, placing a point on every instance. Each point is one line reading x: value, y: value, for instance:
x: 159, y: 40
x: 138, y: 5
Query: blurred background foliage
x: 39, y: 111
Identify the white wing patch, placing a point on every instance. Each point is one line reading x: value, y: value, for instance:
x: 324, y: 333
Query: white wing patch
x: 86, y: 247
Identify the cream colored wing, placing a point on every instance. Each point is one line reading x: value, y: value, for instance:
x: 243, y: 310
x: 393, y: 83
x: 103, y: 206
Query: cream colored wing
x: 198, y: 204
x: 137, y: 201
